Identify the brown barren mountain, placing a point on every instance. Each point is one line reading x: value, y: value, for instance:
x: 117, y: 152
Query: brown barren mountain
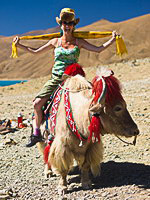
x: 134, y: 31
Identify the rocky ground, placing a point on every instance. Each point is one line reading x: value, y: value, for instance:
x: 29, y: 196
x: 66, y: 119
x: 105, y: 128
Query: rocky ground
x: 125, y: 170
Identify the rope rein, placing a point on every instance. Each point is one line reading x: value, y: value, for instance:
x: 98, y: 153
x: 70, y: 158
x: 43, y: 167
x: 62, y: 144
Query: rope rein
x: 133, y: 143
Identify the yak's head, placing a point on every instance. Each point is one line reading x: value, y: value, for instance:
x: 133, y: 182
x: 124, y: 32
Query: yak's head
x: 109, y: 103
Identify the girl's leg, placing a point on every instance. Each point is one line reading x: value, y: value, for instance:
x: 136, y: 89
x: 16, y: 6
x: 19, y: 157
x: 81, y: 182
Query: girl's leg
x: 38, y: 104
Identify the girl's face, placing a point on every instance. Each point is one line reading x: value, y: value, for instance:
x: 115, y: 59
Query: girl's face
x: 67, y: 27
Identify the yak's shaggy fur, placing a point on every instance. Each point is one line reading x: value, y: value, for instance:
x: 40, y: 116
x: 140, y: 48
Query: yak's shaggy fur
x: 66, y: 147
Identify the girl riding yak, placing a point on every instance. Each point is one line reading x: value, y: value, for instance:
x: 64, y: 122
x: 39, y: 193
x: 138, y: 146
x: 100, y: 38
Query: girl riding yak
x: 66, y: 51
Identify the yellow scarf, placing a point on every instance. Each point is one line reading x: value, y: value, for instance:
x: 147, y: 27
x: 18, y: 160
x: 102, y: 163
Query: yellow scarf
x: 120, y: 45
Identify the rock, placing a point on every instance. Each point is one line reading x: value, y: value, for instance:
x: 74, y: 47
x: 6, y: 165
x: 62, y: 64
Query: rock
x: 10, y: 141
x: 7, y: 193
x: 104, y: 194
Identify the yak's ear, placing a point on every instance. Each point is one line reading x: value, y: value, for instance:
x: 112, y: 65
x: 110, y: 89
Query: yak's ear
x: 95, y: 108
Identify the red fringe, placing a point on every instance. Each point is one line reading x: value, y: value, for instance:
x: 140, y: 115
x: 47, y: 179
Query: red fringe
x: 46, y: 153
x: 113, y: 93
x: 97, y: 88
x: 94, y: 128
x: 74, y: 69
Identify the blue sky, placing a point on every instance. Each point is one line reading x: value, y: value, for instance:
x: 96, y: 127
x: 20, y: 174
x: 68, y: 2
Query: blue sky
x: 21, y: 16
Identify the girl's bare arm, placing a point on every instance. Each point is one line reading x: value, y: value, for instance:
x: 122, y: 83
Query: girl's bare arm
x: 90, y: 47
x: 49, y: 45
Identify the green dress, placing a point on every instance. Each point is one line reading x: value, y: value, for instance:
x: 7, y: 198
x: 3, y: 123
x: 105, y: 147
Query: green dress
x: 63, y: 58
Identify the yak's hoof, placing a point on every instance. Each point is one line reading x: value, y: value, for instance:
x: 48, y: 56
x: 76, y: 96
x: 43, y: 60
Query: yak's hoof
x: 48, y: 174
x: 87, y: 185
x: 62, y: 190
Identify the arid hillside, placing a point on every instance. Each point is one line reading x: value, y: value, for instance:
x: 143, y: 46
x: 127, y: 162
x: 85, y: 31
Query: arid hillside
x: 134, y: 31
x: 125, y: 173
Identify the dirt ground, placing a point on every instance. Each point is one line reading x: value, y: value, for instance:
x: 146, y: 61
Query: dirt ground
x: 125, y: 171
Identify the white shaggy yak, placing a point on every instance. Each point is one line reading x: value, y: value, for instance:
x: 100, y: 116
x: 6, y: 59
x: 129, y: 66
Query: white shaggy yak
x: 102, y: 98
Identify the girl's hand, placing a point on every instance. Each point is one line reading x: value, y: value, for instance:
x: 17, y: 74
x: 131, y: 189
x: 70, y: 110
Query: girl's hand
x: 16, y: 40
x: 114, y: 34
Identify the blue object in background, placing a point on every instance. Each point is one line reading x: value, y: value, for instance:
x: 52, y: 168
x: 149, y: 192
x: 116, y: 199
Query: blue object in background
x: 10, y: 82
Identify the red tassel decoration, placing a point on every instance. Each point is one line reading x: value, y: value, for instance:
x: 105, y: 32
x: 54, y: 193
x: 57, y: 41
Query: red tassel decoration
x: 47, y: 150
x: 113, y: 93
x: 97, y: 88
x: 94, y: 128
x: 74, y: 69
x: 46, y: 153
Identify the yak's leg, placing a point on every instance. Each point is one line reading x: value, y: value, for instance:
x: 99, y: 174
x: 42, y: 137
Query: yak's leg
x: 93, y: 159
x: 95, y: 156
x: 47, y: 171
x: 85, y: 167
x: 62, y: 187
x: 61, y: 160
x: 85, y: 180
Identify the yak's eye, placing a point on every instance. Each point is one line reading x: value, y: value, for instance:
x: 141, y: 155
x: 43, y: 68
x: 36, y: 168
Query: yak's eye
x: 118, y: 108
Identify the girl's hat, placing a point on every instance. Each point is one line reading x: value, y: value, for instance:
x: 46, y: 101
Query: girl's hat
x: 68, y: 15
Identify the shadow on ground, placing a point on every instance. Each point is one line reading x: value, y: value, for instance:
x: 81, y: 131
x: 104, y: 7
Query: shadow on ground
x: 120, y: 174
x: 117, y: 174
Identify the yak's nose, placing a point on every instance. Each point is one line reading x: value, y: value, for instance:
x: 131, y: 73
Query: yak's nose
x: 135, y: 131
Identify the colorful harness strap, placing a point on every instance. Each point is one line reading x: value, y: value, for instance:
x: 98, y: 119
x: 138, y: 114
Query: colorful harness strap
x: 69, y: 117
x: 54, y: 109
x: 94, y: 127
